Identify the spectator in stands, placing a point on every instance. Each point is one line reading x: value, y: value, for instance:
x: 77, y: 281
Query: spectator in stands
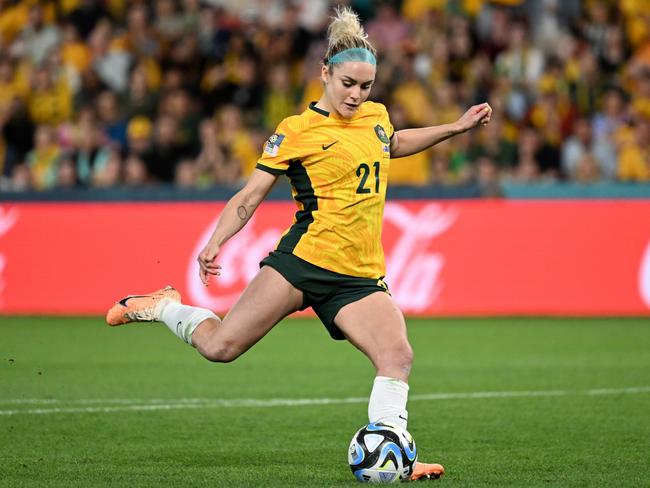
x: 615, y: 51
x: 414, y: 170
x: 587, y: 170
x: 387, y: 30
x: 18, y: 135
x: 547, y: 117
x: 521, y: 62
x: 50, y: 99
x: 634, y: 160
x: 110, y: 57
x: 547, y: 26
x: 493, y: 28
x: 8, y: 93
x: 595, y: 26
x: 43, y: 160
x: 245, y: 91
x: 587, y: 85
x: 487, y: 177
x: 279, y: 102
x: 612, y: 116
x: 236, y: 140
x: 21, y: 179
x: 413, y: 95
x: 75, y: 55
x: 66, y: 177
x: 581, y: 144
x: 528, y: 151
x: 213, y: 167
x: 139, y: 136
x: 140, y: 38
x: 169, y: 23
x: 183, y: 54
x: 9, y: 88
x: 110, y: 174
x: 135, y: 172
x: 110, y: 118
x: 38, y: 38
x: 92, y: 153
x: 493, y: 143
x: 191, y: 15
x: 141, y: 98
x: 179, y: 105
x: 441, y: 173
x: 461, y: 49
x: 186, y: 174
x: 640, y: 88
x: 165, y: 152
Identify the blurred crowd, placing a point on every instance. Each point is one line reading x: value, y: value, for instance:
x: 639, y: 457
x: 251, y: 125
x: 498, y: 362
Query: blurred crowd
x: 115, y: 93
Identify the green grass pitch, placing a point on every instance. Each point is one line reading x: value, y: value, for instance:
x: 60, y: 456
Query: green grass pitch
x: 82, y: 404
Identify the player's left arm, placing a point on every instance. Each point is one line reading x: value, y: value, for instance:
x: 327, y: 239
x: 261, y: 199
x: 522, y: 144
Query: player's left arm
x: 410, y: 141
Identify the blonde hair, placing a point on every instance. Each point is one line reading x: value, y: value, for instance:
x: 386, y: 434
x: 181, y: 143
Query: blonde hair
x: 345, y: 32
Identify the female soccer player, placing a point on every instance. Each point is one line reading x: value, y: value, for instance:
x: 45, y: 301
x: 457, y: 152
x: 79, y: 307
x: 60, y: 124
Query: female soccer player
x: 336, y: 155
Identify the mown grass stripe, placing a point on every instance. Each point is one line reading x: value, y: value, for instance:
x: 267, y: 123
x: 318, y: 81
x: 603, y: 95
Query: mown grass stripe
x: 125, y: 405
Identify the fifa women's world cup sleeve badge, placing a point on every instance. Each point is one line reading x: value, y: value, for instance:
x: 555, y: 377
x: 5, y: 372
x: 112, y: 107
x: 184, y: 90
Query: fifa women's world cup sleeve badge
x: 272, y: 146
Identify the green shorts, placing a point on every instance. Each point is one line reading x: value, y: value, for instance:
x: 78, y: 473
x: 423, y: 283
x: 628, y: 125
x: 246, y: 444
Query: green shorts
x: 326, y: 292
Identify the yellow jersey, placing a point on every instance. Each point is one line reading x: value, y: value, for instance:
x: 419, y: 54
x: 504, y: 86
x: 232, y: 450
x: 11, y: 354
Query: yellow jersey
x: 338, y: 169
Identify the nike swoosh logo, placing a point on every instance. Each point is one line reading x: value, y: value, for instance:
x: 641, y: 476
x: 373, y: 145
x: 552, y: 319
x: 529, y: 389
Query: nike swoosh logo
x: 123, y: 300
x: 325, y: 148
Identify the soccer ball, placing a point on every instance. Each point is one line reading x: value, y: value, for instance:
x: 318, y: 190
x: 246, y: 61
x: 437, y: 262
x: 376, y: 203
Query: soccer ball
x: 382, y: 452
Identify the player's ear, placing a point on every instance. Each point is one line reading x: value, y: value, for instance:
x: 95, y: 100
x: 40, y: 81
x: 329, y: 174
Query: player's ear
x: 325, y: 74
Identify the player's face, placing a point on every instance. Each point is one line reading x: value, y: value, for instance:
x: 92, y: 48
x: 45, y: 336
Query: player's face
x: 347, y: 86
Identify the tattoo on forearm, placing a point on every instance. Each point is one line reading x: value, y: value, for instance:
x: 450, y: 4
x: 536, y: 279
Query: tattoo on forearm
x: 242, y: 213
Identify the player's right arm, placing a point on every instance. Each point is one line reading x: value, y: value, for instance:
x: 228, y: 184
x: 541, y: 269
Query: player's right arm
x: 279, y: 150
x: 235, y: 215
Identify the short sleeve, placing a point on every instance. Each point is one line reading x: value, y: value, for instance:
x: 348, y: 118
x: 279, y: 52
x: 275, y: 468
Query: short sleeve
x: 280, y: 149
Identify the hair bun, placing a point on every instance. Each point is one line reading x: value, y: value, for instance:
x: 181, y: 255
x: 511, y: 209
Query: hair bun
x: 346, y: 32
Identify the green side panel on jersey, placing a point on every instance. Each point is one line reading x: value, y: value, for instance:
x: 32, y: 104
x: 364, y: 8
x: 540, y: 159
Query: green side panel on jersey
x: 305, y: 195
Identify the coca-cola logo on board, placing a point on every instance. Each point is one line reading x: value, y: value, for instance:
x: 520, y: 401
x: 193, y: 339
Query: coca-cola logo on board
x: 413, y: 269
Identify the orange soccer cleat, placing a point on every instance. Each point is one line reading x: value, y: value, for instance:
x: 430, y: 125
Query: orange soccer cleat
x: 141, y: 308
x: 425, y: 471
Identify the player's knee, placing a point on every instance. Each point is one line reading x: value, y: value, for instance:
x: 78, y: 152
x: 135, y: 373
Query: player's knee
x: 224, y: 352
x: 399, y: 357
x: 402, y: 357
x: 405, y: 356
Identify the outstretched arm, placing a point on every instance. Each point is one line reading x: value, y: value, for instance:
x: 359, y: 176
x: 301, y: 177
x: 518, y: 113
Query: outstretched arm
x: 237, y: 212
x: 410, y: 141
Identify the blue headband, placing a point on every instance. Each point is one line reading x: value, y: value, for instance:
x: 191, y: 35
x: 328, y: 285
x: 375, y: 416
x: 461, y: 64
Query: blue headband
x: 353, y: 54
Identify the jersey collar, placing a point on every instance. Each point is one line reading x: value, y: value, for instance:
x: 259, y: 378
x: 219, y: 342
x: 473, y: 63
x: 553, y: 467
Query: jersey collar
x: 335, y: 116
x: 313, y: 107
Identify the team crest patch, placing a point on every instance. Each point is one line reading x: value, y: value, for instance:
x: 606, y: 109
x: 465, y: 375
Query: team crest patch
x: 381, y: 133
x: 272, y: 146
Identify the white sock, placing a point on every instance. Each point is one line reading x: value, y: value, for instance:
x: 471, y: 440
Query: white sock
x: 388, y: 401
x: 183, y: 319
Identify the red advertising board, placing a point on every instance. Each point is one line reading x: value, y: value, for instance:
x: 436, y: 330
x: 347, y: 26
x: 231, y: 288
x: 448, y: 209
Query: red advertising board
x: 442, y: 258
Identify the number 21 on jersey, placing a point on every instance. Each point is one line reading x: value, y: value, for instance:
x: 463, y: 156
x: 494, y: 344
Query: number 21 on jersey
x: 363, y: 172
